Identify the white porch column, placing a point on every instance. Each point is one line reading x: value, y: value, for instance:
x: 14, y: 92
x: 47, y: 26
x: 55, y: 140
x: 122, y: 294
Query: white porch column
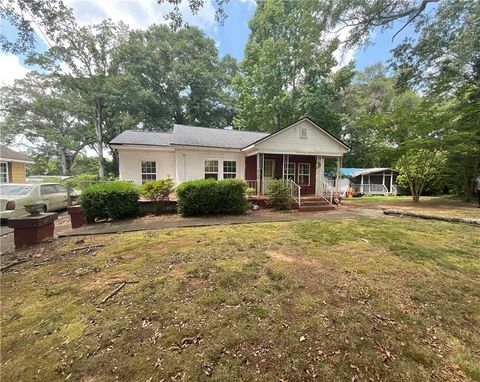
x: 391, y: 181
x: 361, y: 185
x: 258, y: 174
x: 318, y: 176
x: 283, y: 167
x: 338, y: 177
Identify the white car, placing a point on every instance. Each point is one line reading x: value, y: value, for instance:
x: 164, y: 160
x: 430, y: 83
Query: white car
x: 13, y: 197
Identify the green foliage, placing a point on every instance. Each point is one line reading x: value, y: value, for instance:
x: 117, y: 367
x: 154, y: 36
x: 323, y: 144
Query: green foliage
x: 110, y: 200
x: 209, y: 196
x: 278, y: 195
x: 419, y: 168
x: 157, y: 191
x: 76, y: 181
x: 287, y: 69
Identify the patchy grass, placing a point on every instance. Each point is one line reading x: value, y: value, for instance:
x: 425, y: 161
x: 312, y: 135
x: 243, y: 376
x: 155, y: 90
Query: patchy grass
x: 368, y: 299
x: 435, y: 205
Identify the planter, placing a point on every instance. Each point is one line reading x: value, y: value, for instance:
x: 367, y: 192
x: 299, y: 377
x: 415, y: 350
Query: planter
x: 77, y: 216
x: 29, y: 230
x: 34, y: 209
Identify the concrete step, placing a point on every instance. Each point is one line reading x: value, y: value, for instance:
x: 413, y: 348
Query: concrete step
x: 314, y: 202
x: 319, y: 207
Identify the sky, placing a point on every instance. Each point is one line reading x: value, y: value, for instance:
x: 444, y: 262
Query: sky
x: 230, y: 38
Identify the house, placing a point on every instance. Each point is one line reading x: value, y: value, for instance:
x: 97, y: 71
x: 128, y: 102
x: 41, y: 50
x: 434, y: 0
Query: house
x: 373, y: 181
x: 12, y: 165
x: 295, y: 153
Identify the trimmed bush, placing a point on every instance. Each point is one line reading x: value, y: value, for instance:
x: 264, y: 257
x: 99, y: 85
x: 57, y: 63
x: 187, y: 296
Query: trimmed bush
x: 111, y: 200
x: 278, y: 195
x: 158, y: 192
x: 209, y: 196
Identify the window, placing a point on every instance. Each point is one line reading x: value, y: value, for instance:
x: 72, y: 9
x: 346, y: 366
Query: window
x: 289, y: 170
x: 229, y: 169
x: 61, y: 188
x: 211, y: 169
x: 48, y: 189
x: 303, y: 132
x: 304, y: 174
x: 3, y: 172
x: 149, y: 171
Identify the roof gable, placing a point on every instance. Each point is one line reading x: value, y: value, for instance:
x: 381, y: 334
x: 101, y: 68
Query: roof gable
x: 8, y: 154
x: 303, y: 136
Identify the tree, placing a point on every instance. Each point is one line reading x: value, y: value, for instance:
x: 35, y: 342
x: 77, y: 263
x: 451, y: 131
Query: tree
x: 444, y: 63
x: 287, y: 69
x: 418, y: 168
x: 81, y: 59
x: 165, y: 76
x: 26, y: 16
x: 48, y: 115
x: 370, y: 94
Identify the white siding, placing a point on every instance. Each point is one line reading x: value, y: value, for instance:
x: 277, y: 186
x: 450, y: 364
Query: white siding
x: 289, y: 141
x: 130, y: 163
x: 191, y: 163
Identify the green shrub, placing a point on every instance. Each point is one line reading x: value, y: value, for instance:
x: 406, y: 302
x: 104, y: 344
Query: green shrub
x: 209, y: 196
x: 75, y: 181
x: 278, y: 195
x: 157, y: 191
x: 111, y: 200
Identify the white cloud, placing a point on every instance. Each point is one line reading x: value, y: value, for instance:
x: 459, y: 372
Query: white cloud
x: 139, y: 14
x: 10, y: 69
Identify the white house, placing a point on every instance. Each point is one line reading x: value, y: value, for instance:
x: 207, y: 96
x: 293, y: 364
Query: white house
x: 295, y: 153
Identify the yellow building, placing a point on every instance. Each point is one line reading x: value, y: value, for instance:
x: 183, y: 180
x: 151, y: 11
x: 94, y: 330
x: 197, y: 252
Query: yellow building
x: 12, y: 165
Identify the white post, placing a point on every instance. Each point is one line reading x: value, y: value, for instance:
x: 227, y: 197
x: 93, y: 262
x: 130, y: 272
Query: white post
x: 283, y: 168
x: 391, y: 181
x: 339, y: 170
x: 361, y: 185
x: 258, y: 174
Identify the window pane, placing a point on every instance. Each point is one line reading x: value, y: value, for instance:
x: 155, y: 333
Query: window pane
x: 211, y: 176
x: 229, y: 176
x: 3, y: 172
x: 304, y: 174
x: 211, y: 166
x: 229, y: 166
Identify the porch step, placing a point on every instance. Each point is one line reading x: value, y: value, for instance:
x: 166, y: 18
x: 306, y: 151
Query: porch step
x: 311, y: 202
x: 315, y: 207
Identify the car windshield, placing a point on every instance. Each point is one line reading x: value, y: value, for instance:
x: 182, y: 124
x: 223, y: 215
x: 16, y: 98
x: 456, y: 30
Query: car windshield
x: 9, y: 189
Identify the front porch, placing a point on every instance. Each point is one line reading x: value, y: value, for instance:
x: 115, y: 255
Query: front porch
x: 304, y: 174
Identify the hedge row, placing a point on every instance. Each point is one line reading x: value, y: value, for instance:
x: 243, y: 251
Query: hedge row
x: 209, y: 196
x: 111, y: 200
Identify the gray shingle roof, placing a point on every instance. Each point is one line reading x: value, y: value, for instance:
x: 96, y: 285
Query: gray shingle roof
x: 191, y: 136
x: 7, y: 153
x: 208, y: 137
x: 150, y: 138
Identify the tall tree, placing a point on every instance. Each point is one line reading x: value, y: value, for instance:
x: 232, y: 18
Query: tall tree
x: 81, y: 59
x: 48, y: 115
x: 287, y: 69
x: 444, y: 63
x: 173, y: 77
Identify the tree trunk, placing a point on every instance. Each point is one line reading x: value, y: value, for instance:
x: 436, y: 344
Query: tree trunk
x: 63, y: 162
x: 98, y: 135
x: 415, y: 198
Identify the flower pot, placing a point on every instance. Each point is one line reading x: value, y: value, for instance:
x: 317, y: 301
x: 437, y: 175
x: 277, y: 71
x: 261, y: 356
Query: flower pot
x: 34, y: 209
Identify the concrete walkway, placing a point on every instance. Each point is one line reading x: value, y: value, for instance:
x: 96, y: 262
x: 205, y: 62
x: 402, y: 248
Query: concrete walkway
x: 131, y: 225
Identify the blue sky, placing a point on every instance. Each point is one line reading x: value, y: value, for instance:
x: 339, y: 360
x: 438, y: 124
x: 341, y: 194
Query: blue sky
x: 230, y: 38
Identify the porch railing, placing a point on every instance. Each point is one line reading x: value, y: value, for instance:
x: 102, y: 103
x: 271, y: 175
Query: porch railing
x: 327, y: 192
x: 371, y: 189
x: 394, y: 190
x: 294, y: 191
x: 294, y: 188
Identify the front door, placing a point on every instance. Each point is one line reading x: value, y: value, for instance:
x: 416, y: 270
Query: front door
x: 268, y: 172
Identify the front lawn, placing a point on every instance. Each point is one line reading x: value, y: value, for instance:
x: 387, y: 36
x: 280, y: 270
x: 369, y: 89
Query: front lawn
x: 436, y: 205
x: 385, y: 299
